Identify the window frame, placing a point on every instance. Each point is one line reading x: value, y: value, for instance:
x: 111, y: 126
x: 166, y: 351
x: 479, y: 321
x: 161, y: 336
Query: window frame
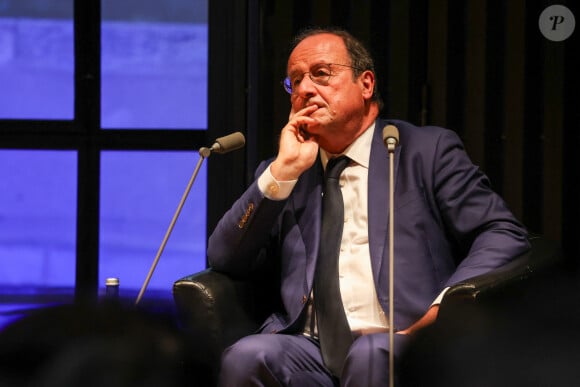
x: 84, y: 135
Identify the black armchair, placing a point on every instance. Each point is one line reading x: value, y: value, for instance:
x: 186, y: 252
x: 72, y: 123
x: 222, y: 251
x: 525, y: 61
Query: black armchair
x: 215, y: 310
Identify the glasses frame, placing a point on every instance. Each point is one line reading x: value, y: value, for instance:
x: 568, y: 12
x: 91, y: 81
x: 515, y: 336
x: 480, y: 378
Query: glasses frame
x: 319, y: 80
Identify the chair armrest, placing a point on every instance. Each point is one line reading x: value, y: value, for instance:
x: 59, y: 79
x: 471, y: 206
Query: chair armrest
x: 543, y: 254
x: 215, y: 310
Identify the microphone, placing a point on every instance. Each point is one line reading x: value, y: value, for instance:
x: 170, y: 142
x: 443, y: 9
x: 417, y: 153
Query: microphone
x: 221, y: 145
x: 228, y: 143
x: 391, y: 137
x: 224, y: 144
x: 391, y: 140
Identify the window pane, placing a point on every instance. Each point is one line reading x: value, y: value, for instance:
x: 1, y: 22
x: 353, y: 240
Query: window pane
x: 154, y: 64
x: 36, y: 59
x: 37, y: 225
x: 140, y: 192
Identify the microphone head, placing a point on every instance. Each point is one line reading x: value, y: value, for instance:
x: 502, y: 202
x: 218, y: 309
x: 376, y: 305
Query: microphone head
x: 391, y: 137
x: 390, y: 131
x: 229, y: 143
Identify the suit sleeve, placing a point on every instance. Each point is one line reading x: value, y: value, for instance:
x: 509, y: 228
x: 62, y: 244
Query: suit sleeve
x: 485, y: 231
x: 241, y: 239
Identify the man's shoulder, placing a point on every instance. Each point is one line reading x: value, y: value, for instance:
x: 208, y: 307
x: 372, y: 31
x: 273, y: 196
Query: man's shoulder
x: 411, y: 132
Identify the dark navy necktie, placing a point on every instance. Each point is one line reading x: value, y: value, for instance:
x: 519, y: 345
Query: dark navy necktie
x: 333, y: 329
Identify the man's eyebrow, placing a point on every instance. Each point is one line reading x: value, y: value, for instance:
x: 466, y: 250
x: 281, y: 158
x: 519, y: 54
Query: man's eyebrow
x: 313, y: 66
x: 294, y: 72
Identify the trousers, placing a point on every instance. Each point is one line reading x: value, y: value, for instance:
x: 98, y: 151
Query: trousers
x: 295, y: 360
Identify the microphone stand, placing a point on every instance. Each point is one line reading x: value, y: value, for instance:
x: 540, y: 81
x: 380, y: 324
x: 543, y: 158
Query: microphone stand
x: 391, y: 144
x: 203, y: 154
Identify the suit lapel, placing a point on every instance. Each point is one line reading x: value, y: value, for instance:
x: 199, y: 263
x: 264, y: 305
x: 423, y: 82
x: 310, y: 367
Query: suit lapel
x: 378, y: 202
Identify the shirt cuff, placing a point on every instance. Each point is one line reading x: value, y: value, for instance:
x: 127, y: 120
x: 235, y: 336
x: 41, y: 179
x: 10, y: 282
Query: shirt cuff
x: 440, y: 297
x: 274, y: 189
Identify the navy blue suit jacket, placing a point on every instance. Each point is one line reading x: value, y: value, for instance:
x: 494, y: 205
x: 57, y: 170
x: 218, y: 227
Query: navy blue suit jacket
x: 449, y: 226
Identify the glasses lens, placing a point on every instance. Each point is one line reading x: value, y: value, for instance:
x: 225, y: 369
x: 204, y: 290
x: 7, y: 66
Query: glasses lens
x: 321, y: 74
x: 287, y: 85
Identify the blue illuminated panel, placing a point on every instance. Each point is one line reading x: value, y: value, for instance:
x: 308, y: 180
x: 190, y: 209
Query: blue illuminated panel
x: 140, y: 192
x: 37, y: 221
x: 36, y: 60
x: 154, y: 64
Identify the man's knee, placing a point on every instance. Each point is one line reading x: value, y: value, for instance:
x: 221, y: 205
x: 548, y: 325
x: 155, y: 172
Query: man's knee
x: 367, y: 362
x: 368, y: 350
x: 245, y: 362
x: 243, y: 356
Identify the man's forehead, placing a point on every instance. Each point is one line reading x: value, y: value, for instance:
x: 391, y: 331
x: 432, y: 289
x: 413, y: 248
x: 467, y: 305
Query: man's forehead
x: 321, y: 48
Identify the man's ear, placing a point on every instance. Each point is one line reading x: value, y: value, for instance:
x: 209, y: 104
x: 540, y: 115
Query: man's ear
x: 367, y: 81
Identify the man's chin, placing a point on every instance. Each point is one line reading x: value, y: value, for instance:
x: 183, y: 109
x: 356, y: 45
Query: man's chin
x: 317, y: 127
x: 311, y: 133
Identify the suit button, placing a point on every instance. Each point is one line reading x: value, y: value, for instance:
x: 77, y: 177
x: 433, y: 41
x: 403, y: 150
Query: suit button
x: 304, y: 299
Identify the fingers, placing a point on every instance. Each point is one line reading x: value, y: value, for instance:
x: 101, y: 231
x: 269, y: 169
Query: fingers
x: 300, y: 122
x: 302, y: 113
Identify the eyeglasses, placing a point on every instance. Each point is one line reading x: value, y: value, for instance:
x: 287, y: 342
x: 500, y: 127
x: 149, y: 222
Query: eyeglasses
x: 319, y: 74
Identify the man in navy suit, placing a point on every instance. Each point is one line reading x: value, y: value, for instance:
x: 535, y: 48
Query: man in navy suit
x: 449, y: 224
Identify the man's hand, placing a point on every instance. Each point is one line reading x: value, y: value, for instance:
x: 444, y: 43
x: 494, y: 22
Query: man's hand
x: 427, y: 319
x: 298, y: 149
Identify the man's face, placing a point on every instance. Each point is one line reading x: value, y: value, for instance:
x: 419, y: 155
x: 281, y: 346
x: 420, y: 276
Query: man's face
x: 340, y: 99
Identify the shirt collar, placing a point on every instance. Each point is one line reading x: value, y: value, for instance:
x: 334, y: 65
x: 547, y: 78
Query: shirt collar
x: 359, y: 151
